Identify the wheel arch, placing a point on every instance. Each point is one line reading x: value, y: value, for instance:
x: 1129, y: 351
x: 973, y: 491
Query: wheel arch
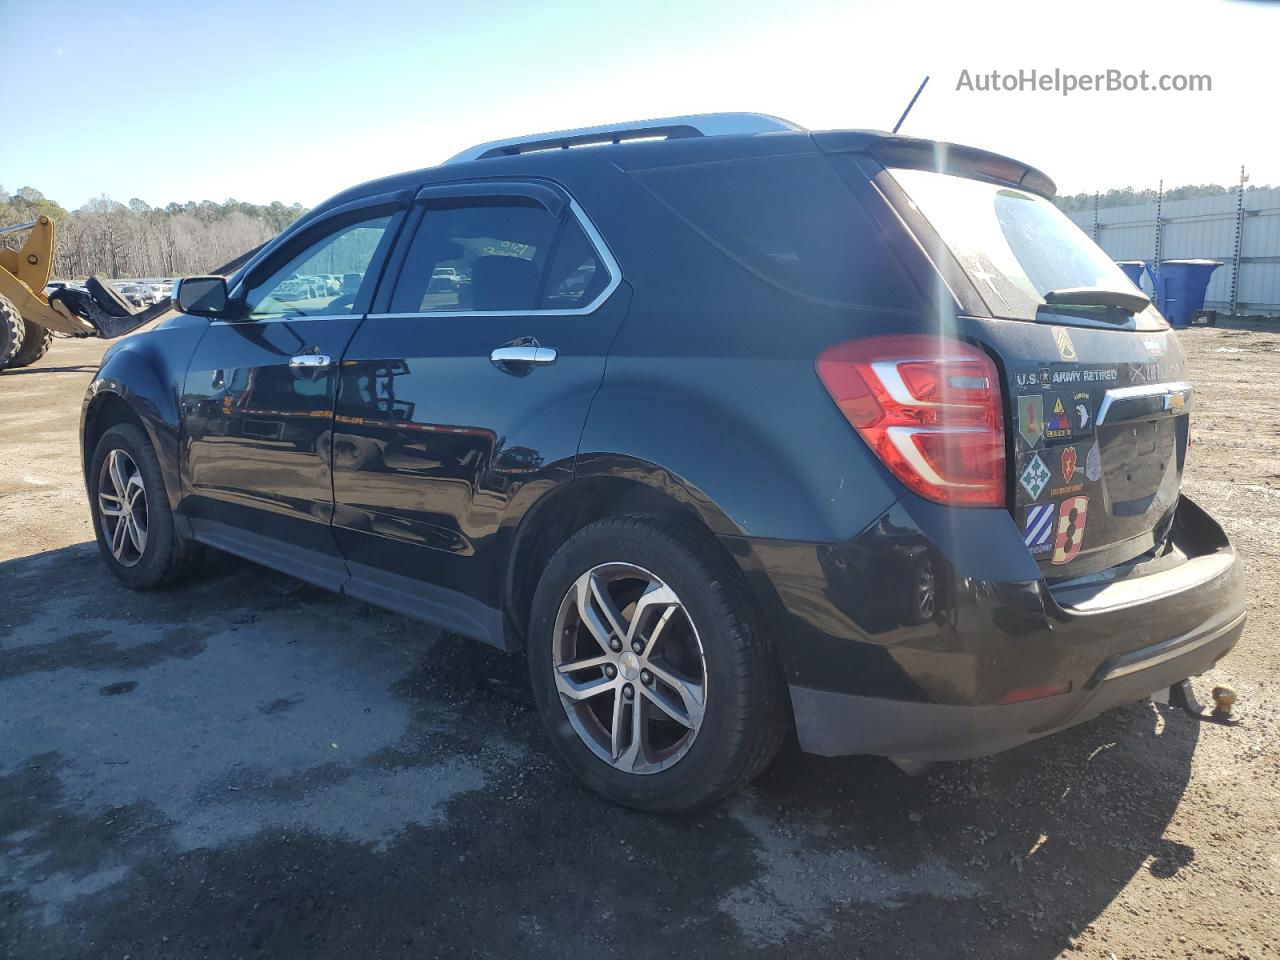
x: 127, y: 389
x: 604, y: 487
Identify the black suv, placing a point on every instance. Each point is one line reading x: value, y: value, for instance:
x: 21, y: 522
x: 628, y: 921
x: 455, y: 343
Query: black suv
x: 730, y: 425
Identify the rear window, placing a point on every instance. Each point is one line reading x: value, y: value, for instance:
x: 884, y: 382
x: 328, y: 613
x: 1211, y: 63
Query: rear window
x: 1014, y: 245
x: 792, y: 222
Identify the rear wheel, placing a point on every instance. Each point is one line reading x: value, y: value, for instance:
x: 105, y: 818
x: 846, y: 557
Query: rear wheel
x: 650, y: 669
x: 12, y: 332
x: 36, y: 341
x: 131, y: 515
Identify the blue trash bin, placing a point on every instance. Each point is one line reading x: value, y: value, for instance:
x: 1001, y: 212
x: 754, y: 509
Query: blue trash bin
x: 1133, y: 270
x: 1182, y: 287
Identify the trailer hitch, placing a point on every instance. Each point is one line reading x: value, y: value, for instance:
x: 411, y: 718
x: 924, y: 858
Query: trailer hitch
x: 1181, y: 695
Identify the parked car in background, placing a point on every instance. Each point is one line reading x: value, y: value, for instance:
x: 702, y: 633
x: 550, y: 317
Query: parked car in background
x: 296, y: 289
x: 443, y: 280
x: 739, y: 428
x: 138, y: 294
x: 61, y: 285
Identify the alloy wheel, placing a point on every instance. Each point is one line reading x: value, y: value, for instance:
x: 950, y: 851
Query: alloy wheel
x: 629, y: 668
x: 122, y: 507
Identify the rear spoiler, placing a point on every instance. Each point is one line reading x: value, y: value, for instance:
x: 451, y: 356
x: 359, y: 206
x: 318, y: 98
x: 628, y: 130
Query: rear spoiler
x: 916, y: 154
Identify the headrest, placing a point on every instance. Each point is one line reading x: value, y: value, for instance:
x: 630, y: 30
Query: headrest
x: 503, y: 283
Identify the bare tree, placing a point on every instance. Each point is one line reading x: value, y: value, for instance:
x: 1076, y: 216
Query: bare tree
x: 139, y: 240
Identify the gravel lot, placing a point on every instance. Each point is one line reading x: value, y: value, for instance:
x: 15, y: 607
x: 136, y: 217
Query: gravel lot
x: 245, y: 766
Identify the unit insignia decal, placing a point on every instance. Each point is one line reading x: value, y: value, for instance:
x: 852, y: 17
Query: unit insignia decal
x: 1068, y: 462
x: 1071, y: 520
x: 1038, y: 529
x: 1059, y: 424
x: 1034, y: 476
x: 1081, y: 402
x: 1031, y: 418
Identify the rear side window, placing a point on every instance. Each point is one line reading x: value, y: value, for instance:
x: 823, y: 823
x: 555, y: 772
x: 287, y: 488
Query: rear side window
x: 791, y: 221
x: 509, y: 254
x: 576, y: 276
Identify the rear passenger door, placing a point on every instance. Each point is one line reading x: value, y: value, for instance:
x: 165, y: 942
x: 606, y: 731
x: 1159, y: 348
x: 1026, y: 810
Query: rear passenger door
x: 463, y: 394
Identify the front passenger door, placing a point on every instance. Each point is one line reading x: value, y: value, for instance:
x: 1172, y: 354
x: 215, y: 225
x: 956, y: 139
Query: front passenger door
x: 258, y: 397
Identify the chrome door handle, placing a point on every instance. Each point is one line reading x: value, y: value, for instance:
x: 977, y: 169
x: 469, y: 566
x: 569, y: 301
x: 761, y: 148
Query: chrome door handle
x: 527, y: 353
x: 309, y: 361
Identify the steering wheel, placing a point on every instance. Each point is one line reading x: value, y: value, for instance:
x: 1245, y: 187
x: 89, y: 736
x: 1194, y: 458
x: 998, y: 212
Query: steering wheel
x: 344, y: 301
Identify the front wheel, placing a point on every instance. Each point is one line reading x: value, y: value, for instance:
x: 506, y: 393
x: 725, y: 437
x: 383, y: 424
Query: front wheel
x: 651, y: 672
x: 131, y: 514
x: 12, y: 332
x: 36, y: 341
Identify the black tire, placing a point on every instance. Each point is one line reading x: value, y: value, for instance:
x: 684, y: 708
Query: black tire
x: 746, y: 714
x: 36, y: 341
x: 12, y: 332
x: 166, y: 556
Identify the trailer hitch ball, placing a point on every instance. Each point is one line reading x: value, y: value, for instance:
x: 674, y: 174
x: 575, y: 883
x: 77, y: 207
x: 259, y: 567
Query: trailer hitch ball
x: 1224, y: 698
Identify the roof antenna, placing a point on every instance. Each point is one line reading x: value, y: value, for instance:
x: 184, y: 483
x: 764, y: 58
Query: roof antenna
x: 919, y: 90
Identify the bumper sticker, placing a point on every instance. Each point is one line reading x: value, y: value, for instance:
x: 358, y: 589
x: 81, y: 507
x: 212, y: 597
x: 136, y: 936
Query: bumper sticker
x: 1071, y: 520
x: 1066, y: 349
x: 1038, y: 528
x: 1058, y: 425
x: 1068, y: 466
x: 1068, y: 463
x: 1093, y: 464
x: 1034, y: 476
x: 1031, y: 418
x: 1081, y: 416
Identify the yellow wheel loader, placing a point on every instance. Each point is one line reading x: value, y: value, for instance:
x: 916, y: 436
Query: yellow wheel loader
x: 29, y: 317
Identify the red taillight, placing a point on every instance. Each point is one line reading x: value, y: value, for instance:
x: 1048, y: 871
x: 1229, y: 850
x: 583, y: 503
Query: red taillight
x: 1024, y: 694
x: 929, y: 408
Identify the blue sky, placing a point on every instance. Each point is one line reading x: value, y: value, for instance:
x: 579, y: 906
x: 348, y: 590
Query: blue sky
x: 263, y: 101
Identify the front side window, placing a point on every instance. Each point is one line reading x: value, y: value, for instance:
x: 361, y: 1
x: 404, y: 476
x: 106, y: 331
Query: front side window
x: 493, y: 255
x: 323, y: 279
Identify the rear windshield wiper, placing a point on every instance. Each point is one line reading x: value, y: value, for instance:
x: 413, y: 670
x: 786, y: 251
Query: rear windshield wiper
x: 1132, y: 300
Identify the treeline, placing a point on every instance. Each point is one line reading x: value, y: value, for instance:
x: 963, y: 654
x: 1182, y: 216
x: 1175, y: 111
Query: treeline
x: 1127, y: 196
x: 137, y: 240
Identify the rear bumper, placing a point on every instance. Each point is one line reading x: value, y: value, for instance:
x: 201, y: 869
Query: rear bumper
x: 836, y: 724
x: 870, y: 670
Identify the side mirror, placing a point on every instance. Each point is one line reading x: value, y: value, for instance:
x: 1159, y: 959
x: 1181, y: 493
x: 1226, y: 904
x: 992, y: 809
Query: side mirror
x: 201, y: 296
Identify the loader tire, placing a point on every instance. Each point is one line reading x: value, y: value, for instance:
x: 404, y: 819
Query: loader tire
x: 36, y: 341
x: 12, y: 331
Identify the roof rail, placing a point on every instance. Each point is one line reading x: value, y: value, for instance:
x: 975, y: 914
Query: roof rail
x: 668, y: 128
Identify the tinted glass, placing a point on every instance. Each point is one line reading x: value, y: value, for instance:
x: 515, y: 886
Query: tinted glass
x: 576, y: 276
x: 790, y: 220
x: 324, y: 278
x: 476, y: 257
x: 1015, y: 246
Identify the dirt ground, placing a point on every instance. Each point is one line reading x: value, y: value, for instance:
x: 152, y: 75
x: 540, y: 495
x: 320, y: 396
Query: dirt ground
x: 245, y: 766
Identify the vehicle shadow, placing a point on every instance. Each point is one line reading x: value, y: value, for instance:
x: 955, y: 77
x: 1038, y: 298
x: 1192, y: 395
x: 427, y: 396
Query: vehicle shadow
x: 77, y: 368
x: 244, y: 765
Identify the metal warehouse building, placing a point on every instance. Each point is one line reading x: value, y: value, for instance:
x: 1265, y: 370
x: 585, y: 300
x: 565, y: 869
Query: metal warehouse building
x: 1203, y: 228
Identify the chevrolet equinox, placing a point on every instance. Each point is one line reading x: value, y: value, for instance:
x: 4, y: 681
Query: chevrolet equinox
x: 731, y: 427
